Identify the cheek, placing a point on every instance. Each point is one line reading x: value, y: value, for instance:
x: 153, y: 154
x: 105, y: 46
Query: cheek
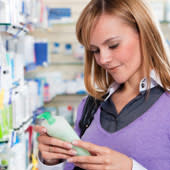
x: 130, y: 54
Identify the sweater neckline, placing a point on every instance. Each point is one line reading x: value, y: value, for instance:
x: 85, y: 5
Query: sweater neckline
x: 98, y: 114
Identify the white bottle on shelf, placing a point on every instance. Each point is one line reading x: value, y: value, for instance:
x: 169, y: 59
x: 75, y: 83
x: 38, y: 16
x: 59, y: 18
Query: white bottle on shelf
x: 158, y: 7
x: 167, y: 11
x: 5, y: 12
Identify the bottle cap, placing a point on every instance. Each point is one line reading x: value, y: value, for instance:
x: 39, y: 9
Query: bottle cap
x: 47, y: 116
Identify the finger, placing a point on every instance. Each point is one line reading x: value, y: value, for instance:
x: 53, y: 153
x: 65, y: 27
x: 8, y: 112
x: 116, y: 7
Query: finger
x: 91, y: 147
x: 93, y: 166
x: 87, y: 159
x: 47, y: 140
x: 52, y: 149
x: 40, y: 129
x: 49, y: 156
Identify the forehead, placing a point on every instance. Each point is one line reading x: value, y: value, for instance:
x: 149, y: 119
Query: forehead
x: 107, y: 26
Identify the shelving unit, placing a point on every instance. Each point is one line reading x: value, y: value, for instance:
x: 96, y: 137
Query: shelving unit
x: 58, y: 63
x: 16, y: 106
x: 66, y: 63
x: 165, y: 26
x: 64, y: 99
x: 2, y: 1
x: 65, y: 33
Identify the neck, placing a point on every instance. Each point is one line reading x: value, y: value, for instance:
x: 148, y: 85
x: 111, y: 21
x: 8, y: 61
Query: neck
x: 131, y: 86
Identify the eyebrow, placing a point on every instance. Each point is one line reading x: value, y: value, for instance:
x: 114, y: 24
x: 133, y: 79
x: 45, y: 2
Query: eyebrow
x: 106, y: 41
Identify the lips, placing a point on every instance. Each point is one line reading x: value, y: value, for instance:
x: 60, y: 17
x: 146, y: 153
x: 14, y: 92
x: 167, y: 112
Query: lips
x: 114, y: 68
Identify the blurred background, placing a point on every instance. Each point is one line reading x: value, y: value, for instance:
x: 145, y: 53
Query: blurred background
x: 41, y: 70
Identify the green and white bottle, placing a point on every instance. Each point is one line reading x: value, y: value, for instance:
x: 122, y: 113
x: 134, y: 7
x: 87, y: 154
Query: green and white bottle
x: 59, y: 128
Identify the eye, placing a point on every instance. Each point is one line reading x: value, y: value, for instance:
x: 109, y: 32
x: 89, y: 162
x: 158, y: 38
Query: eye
x: 95, y: 51
x: 113, y: 46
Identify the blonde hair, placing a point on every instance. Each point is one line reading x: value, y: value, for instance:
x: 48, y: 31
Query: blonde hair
x: 136, y: 14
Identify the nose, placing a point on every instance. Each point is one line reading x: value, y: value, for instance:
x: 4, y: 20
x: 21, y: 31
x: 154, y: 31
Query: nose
x: 105, y: 57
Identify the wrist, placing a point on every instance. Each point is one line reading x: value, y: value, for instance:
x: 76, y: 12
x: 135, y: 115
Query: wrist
x: 130, y: 163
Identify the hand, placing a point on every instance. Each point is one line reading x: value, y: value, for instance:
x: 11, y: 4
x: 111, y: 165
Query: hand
x: 102, y: 158
x: 52, y: 149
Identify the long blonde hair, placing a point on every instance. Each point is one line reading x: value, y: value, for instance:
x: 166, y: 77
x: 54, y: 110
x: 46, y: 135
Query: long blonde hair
x: 137, y: 14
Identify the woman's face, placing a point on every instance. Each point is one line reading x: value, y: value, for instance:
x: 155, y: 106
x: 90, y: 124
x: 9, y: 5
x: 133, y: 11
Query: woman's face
x: 116, y: 48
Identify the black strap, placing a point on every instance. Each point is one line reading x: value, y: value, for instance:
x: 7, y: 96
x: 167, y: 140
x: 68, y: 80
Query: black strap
x: 77, y: 168
x: 90, y: 107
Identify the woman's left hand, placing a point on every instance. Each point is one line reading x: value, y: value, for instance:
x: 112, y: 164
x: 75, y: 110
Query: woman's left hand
x: 102, y: 158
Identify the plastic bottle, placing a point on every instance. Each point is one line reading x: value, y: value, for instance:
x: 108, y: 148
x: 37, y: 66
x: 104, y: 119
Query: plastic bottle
x: 68, y: 49
x: 158, y: 9
x: 79, y: 52
x: 58, y: 127
x: 46, y: 92
x: 167, y: 11
x: 56, y: 48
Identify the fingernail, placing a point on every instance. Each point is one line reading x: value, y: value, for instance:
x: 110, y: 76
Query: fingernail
x: 75, y: 142
x: 69, y: 145
x: 69, y: 160
x: 44, y: 130
x: 73, y: 152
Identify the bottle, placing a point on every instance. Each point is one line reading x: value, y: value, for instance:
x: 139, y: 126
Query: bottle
x: 59, y: 128
x: 68, y: 49
x: 158, y: 9
x: 56, y: 48
x: 167, y: 11
x: 46, y: 92
x: 79, y: 52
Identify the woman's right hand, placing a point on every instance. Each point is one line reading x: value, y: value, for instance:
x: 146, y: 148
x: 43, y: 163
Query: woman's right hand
x: 52, y: 150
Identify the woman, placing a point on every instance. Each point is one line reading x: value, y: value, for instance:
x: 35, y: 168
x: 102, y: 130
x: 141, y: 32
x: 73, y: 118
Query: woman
x: 126, y: 59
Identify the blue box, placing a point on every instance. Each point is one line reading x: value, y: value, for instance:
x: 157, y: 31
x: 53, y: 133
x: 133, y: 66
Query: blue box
x: 41, y: 53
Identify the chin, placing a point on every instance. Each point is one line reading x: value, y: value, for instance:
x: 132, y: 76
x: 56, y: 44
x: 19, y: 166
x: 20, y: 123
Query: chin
x: 120, y: 80
x: 119, y: 77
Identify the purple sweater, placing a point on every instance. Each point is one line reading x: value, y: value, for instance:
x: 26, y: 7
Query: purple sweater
x: 146, y: 140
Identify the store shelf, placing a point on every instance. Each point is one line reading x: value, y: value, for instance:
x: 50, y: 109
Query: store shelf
x: 2, y: 1
x: 20, y: 130
x: 70, y: 95
x: 65, y: 2
x: 66, y: 63
x: 58, y: 27
x: 58, y: 24
x: 165, y: 22
x: 4, y: 140
x: 17, y: 30
x: 66, y: 68
x: 14, y: 31
x: 65, y: 99
x: 24, y: 125
x: 5, y: 24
